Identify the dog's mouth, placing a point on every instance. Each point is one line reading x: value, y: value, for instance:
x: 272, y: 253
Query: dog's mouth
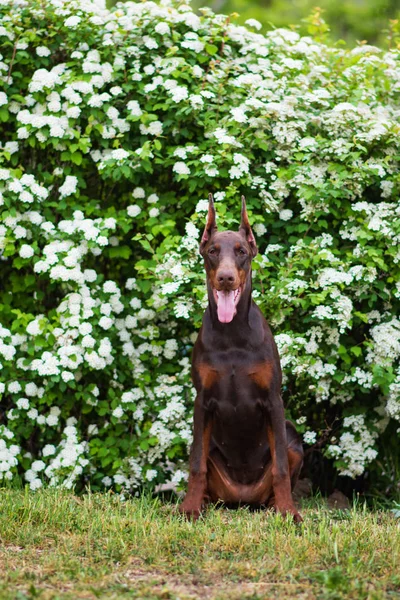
x: 226, y: 303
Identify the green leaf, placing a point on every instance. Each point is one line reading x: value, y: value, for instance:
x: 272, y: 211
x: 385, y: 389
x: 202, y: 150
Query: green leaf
x: 211, y: 49
x: 76, y: 158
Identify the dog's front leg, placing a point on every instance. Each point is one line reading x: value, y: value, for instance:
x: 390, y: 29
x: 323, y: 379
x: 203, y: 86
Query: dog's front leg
x: 192, y: 504
x: 276, y: 429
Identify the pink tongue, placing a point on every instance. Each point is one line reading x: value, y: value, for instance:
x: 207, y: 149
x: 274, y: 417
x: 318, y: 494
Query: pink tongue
x: 226, y: 306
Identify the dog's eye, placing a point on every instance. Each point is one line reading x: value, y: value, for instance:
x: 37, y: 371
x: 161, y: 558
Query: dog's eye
x: 212, y: 251
x: 242, y: 252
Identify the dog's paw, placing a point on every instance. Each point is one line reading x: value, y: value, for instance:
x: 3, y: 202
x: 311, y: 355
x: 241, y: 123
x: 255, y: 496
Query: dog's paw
x: 289, y: 509
x: 297, y: 518
x: 192, y: 513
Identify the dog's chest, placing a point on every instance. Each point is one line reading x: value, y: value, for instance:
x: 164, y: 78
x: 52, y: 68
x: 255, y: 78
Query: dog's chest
x: 235, y: 388
x: 234, y: 369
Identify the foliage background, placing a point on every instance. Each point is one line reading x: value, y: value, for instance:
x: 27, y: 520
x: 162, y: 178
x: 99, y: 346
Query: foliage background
x: 348, y: 20
x: 115, y: 126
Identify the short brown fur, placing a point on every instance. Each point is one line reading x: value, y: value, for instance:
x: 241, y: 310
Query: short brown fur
x: 244, y: 451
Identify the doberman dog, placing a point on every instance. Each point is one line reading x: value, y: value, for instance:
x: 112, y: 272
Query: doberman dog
x: 244, y: 451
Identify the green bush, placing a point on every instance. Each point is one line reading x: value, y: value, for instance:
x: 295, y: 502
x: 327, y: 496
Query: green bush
x: 115, y: 127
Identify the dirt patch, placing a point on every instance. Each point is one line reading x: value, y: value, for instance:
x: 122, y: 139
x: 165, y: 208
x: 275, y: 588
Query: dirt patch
x: 159, y: 585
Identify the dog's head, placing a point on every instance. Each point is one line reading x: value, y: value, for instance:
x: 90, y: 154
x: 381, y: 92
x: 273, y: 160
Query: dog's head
x: 227, y: 258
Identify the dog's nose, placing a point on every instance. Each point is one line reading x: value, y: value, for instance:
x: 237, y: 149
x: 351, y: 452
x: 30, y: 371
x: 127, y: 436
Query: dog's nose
x: 225, y: 277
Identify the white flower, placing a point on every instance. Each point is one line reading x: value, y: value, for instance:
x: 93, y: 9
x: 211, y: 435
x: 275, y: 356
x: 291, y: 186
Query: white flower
x: 48, y: 450
x: 155, y: 128
x: 202, y: 206
x: 179, y: 93
x: 38, y: 465
x: 31, y: 389
x: 33, y: 414
x: 106, y: 322
x: 154, y: 212
x: 235, y: 173
x: 223, y: 137
x: 138, y: 193
x: 69, y: 186
x: 34, y: 328
x: 35, y: 484
x: 212, y: 171
x: 259, y: 229
x: 331, y: 276
x: 26, y: 251
x: 180, y: 153
x: 3, y: 98
x: 191, y: 230
x: 133, y: 210
x: 181, y: 168
x: 26, y: 196
x: 13, y: 147
x: 23, y: 403
x: 170, y: 288
x: 239, y: 115
x: 43, y: 51
x: 119, y: 154
x: 72, y: 21
x: 196, y: 101
x: 151, y: 474
x: 14, y: 387
x: 310, y: 437
x: 20, y: 232
x: 110, y: 287
x: 67, y: 376
x: 285, y: 214
x: 102, y: 240
x: 106, y: 309
x: 162, y: 29
x: 253, y: 23
x: 88, y: 341
x: 192, y: 42
x: 150, y: 43
x: 135, y: 303
x: 118, y: 412
x: 134, y: 108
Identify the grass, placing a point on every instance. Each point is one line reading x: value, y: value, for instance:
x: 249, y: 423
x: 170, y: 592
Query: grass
x: 56, y: 545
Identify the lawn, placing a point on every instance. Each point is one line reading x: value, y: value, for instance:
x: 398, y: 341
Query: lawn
x: 57, y: 545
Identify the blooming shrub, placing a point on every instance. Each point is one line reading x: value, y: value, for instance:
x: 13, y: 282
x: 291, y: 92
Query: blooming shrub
x: 115, y: 126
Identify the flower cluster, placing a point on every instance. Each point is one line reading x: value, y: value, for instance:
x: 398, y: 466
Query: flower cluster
x: 114, y: 130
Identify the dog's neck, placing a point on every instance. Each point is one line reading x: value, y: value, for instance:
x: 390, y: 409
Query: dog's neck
x: 242, y: 308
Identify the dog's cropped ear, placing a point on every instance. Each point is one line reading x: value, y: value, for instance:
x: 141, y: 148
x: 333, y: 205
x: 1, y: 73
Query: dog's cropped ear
x: 211, y: 224
x: 246, y: 229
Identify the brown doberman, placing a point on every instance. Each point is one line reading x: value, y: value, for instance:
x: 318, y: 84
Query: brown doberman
x: 244, y: 451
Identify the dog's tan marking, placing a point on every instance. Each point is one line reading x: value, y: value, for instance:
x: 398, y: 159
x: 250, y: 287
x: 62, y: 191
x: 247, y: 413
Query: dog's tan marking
x: 208, y: 375
x: 221, y: 486
x: 242, y: 278
x: 261, y: 373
